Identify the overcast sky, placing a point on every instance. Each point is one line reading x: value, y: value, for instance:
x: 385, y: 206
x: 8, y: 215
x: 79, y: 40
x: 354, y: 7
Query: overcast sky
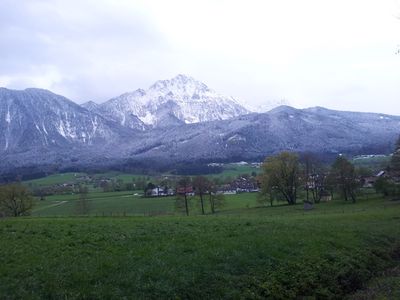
x: 339, y: 54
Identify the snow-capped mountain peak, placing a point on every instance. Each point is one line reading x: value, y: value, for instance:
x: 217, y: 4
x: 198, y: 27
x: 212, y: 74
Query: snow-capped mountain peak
x: 179, y: 84
x: 181, y: 99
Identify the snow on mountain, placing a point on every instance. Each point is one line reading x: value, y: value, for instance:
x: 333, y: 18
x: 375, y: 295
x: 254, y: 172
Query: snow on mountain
x: 36, y: 117
x: 181, y: 99
x: 40, y: 128
x: 90, y: 105
x: 269, y: 105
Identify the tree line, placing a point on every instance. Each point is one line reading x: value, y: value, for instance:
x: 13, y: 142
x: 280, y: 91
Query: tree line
x: 286, y: 174
x: 204, y: 188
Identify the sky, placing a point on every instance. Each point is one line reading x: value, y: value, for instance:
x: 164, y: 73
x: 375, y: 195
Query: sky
x: 337, y: 54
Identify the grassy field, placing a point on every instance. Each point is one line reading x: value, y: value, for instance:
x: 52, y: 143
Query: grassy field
x: 127, y: 203
x: 53, y: 179
x: 234, y: 170
x: 281, y: 252
x: 229, y: 170
x: 374, y: 162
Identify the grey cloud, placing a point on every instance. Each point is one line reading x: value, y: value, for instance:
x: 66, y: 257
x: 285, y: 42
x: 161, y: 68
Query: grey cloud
x: 37, y: 37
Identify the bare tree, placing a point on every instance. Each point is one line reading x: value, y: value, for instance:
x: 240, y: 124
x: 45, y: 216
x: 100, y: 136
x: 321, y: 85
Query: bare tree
x: 314, y: 177
x: 202, y: 186
x: 82, y: 205
x: 15, y: 200
x: 343, y: 177
x: 216, y: 200
x: 182, y: 192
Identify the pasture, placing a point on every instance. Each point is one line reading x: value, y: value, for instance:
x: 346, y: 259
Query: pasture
x: 131, y: 204
x: 253, y: 252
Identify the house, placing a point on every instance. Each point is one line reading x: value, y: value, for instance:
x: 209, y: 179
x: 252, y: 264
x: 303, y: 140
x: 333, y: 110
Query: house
x: 161, y: 192
x: 369, y: 181
x: 189, y: 191
x: 157, y: 191
x: 226, y: 189
x: 245, y: 185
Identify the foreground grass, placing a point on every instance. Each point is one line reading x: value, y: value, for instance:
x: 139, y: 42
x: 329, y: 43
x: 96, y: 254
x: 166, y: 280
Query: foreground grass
x: 386, y: 286
x: 249, y: 253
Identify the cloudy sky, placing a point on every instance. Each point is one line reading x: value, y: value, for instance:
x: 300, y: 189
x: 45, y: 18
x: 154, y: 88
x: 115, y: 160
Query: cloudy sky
x: 339, y: 54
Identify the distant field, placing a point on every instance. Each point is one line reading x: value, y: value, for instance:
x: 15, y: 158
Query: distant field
x: 374, y: 162
x: 281, y: 252
x: 54, y: 179
x: 125, y: 203
x: 229, y: 170
x: 235, y: 170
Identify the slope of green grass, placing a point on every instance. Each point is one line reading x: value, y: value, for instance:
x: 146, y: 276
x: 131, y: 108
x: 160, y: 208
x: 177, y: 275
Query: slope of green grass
x: 376, y: 162
x: 280, y: 252
x: 54, y: 179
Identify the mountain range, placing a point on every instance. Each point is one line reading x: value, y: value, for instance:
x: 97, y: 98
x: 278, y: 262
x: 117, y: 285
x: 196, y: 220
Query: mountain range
x: 173, y: 121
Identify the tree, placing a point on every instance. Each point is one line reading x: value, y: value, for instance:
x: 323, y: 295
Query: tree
x: 202, y: 186
x: 387, y: 187
x: 148, y: 189
x: 82, y: 205
x: 343, y: 177
x: 266, y: 195
x: 281, y: 174
x: 182, y: 193
x: 314, y: 177
x: 319, y: 186
x: 308, y: 162
x: 394, y: 166
x: 390, y: 185
x: 216, y: 200
x: 15, y: 200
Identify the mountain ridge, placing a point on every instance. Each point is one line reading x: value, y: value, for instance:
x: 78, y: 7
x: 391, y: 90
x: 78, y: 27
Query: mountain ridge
x: 37, y: 117
x: 181, y: 99
x: 40, y: 128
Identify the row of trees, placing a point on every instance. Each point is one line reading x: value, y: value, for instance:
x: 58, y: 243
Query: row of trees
x: 285, y: 174
x: 204, y: 188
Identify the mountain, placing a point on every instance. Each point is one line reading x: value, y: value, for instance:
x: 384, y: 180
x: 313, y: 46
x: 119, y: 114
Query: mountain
x: 180, y: 100
x: 254, y: 136
x: 42, y: 130
x: 39, y: 118
x: 269, y: 105
x: 90, y: 105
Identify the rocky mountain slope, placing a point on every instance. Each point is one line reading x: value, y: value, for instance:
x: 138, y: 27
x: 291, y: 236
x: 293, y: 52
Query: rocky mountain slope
x: 39, y: 118
x: 254, y: 136
x: 180, y: 100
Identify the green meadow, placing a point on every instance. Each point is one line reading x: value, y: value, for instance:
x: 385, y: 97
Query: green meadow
x: 245, y: 251
x: 131, y: 204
